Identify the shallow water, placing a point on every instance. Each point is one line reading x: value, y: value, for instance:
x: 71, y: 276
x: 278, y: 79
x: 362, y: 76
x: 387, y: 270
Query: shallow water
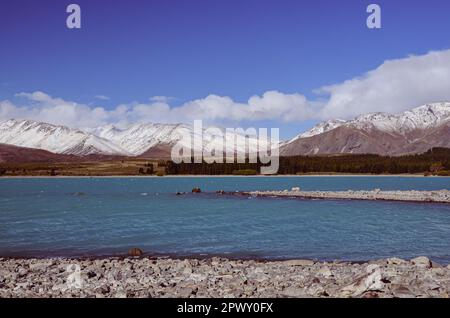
x: 107, y: 216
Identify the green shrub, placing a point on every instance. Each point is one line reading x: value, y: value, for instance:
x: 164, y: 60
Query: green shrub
x: 443, y: 173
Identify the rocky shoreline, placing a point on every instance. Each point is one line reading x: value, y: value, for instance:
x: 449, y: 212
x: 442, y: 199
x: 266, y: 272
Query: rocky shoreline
x: 438, y: 196
x: 218, y: 277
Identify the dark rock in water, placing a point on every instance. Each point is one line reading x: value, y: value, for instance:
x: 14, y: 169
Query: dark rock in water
x: 135, y: 252
x: 220, y: 192
x: 181, y: 193
x: 196, y: 190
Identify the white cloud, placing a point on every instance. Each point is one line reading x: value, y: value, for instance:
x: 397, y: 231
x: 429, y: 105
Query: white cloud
x: 394, y: 86
x: 213, y: 108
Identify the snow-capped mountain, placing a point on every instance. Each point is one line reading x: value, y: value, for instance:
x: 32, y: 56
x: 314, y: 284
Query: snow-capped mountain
x: 135, y: 140
x: 56, y: 139
x: 422, y: 117
x: 138, y: 139
x: 412, y: 131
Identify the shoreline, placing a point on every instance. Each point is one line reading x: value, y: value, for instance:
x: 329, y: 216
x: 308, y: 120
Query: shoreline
x: 413, y: 196
x: 221, y: 277
x: 222, y: 176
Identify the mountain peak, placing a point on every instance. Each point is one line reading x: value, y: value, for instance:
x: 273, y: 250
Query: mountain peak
x: 413, y: 131
x: 422, y: 117
x: 56, y: 139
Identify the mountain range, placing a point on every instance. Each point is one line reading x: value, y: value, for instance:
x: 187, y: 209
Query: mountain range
x: 413, y: 131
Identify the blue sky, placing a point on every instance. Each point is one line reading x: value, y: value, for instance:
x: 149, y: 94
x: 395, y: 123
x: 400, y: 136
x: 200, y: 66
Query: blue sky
x: 132, y: 50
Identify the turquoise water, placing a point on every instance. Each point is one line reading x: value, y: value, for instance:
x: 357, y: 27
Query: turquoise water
x: 107, y: 216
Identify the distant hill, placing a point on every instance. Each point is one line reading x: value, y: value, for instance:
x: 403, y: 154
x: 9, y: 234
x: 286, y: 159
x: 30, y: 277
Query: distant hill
x: 14, y: 154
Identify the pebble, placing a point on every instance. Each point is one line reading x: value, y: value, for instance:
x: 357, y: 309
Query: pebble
x: 219, y: 277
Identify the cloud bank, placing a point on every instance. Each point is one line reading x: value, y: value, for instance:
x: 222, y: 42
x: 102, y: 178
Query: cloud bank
x: 394, y: 86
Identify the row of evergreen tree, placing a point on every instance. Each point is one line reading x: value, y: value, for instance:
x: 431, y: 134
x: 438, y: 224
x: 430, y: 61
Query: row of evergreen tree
x: 436, y: 161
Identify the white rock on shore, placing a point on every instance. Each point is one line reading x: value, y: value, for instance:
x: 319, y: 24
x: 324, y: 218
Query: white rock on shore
x: 439, y: 196
x: 216, y: 277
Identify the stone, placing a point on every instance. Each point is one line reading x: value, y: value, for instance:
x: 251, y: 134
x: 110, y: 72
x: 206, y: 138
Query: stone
x: 402, y: 292
x: 298, y: 262
x: 220, y: 277
x: 135, y: 252
x: 422, y: 262
x: 371, y: 294
x: 295, y: 189
x: 316, y: 290
x: 38, y: 267
x: 22, y: 272
x: 395, y: 261
x: 325, y: 272
x: 370, y: 282
x: 294, y: 292
x: 436, y: 265
x: 372, y: 267
x: 91, y: 274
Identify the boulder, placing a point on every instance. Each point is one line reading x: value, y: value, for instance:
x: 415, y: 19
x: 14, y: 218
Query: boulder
x: 422, y: 262
x: 370, y: 282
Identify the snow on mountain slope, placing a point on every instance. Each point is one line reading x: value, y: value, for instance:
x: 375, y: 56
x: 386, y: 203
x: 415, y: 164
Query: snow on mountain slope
x: 422, y: 117
x: 139, y: 138
x: 322, y: 127
x: 57, y: 139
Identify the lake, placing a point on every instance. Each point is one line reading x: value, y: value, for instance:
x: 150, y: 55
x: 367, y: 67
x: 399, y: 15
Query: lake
x: 76, y: 217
